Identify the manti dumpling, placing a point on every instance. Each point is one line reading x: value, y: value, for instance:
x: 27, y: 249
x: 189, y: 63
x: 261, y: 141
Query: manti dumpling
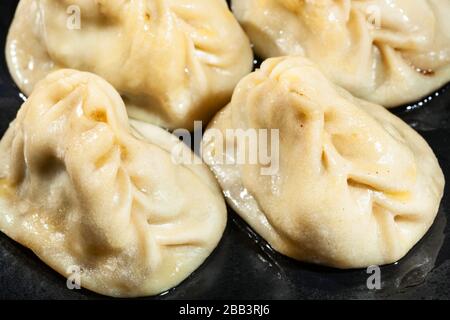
x: 87, y: 192
x: 173, y: 61
x: 355, y: 186
x: 389, y: 52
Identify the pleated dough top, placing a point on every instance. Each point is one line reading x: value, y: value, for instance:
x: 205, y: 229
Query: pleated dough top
x: 355, y: 185
x: 83, y: 189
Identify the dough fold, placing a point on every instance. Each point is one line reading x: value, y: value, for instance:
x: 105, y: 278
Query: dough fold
x: 173, y: 61
x: 387, y: 52
x: 355, y: 185
x: 86, y: 191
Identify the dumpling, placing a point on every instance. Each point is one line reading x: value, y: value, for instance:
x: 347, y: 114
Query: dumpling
x: 86, y: 192
x: 348, y: 184
x: 388, y: 52
x: 173, y: 61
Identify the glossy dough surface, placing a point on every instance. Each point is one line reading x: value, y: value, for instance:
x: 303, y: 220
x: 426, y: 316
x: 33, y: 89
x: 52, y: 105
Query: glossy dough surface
x: 390, y: 52
x: 82, y: 188
x: 173, y: 61
x: 356, y: 186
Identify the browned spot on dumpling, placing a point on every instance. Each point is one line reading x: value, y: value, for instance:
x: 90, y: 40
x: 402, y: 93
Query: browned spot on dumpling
x: 105, y: 158
x: 6, y: 188
x: 123, y: 152
x: 99, y: 115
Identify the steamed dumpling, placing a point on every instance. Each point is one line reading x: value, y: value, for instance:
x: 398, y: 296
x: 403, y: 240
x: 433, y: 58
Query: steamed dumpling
x: 81, y: 188
x: 355, y: 185
x: 173, y: 61
x: 388, y: 52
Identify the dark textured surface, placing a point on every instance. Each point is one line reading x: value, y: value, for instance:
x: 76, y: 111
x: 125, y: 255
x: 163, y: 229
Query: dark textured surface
x: 242, y: 267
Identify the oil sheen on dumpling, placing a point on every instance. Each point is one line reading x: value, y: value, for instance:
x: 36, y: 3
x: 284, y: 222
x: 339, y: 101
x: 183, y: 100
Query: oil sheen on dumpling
x: 390, y: 52
x: 173, y: 61
x: 87, y: 192
x: 356, y: 186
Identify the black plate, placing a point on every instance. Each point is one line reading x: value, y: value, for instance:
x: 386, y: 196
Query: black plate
x: 242, y: 266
